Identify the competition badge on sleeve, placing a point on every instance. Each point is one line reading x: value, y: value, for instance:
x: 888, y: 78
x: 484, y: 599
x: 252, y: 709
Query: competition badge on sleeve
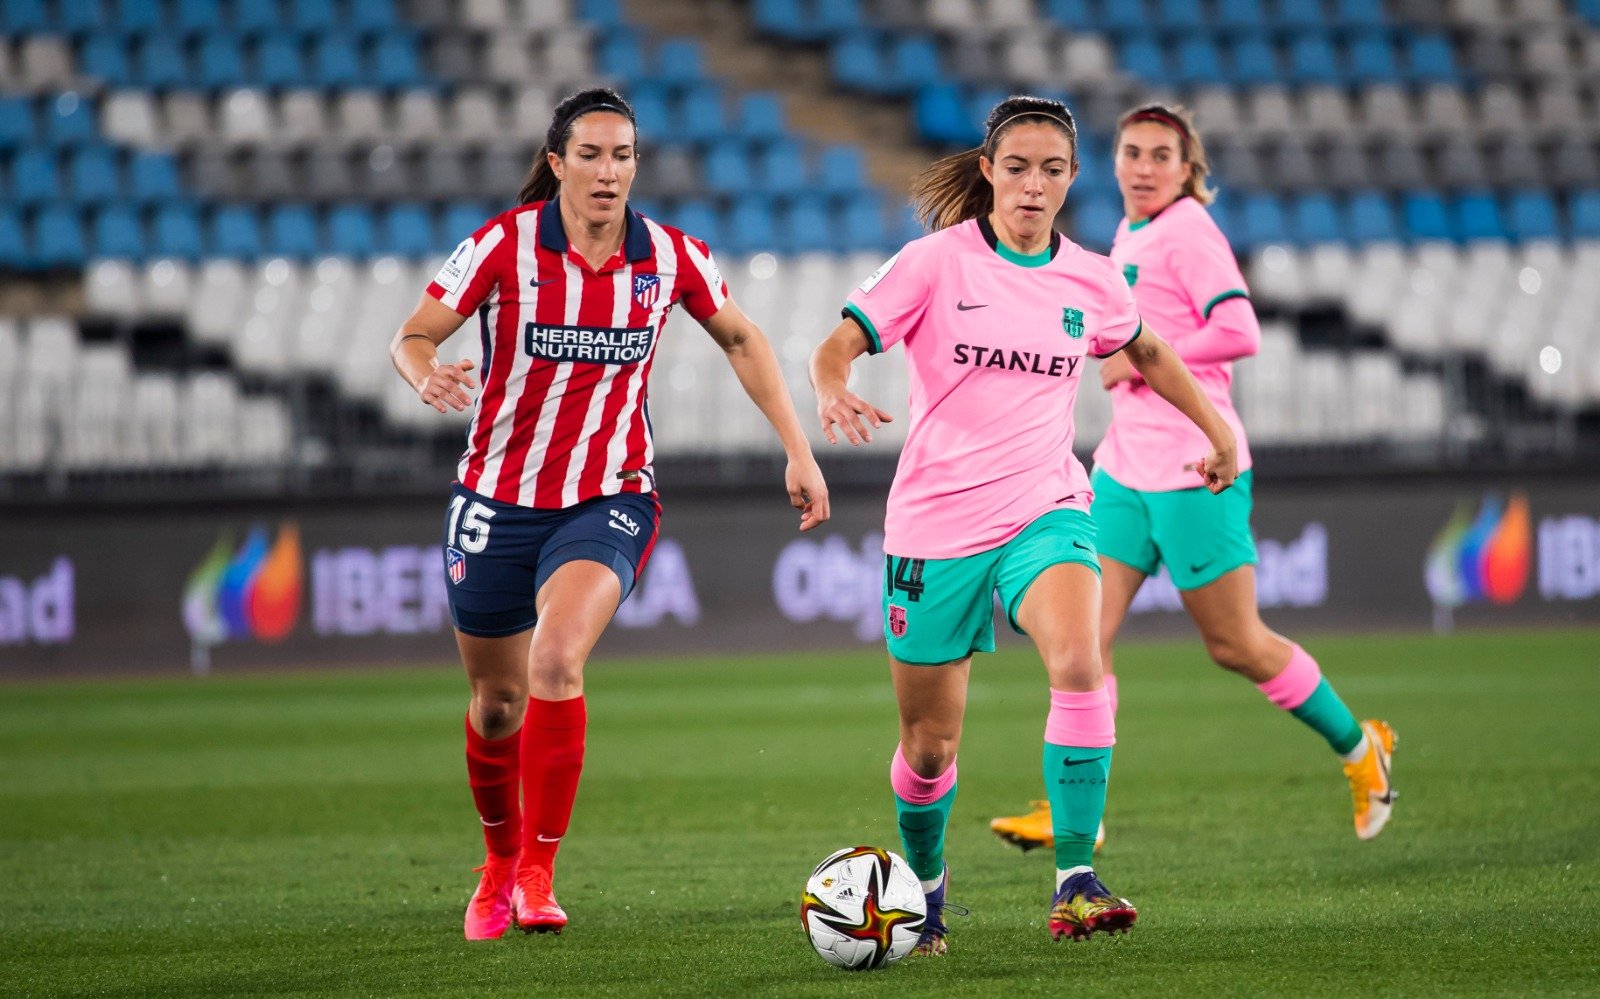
x: 646, y: 290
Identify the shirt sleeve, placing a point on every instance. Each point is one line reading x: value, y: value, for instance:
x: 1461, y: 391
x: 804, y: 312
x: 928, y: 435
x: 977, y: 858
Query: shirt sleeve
x: 701, y: 287
x: 1207, y: 270
x: 1120, y: 325
x: 890, y: 303
x: 473, y: 269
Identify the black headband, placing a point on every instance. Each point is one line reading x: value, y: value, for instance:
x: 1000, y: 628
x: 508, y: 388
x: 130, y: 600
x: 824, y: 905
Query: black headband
x: 566, y: 122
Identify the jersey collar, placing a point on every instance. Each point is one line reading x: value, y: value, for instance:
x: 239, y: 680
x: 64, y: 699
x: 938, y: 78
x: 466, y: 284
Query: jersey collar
x: 636, y: 242
x: 1008, y: 254
x: 1136, y: 226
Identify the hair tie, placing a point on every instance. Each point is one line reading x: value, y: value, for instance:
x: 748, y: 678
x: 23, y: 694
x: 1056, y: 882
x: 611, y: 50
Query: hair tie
x: 575, y: 115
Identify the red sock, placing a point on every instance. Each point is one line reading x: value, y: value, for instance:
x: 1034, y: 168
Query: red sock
x: 492, y: 768
x: 552, y: 760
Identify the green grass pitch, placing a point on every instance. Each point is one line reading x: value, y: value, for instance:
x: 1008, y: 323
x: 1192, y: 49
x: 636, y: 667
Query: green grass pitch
x: 312, y: 834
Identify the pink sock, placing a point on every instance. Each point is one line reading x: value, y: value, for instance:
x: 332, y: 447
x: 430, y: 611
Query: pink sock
x: 918, y: 790
x: 1081, y: 718
x: 1111, y: 692
x: 1290, y: 688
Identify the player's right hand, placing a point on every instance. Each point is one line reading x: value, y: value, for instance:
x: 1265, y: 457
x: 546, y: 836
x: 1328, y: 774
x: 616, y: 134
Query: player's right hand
x: 443, y: 385
x: 846, y: 411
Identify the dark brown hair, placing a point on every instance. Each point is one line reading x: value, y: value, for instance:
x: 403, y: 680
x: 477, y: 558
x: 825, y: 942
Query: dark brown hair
x: 541, y: 183
x: 954, y: 189
x: 1193, y: 151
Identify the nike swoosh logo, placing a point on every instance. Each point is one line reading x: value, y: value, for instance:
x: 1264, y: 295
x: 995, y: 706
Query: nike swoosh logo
x: 489, y: 824
x: 1073, y: 763
x: 1081, y: 545
x: 547, y: 839
x: 1200, y: 567
x: 964, y: 307
x: 1388, y: 787
x: 540, y: 284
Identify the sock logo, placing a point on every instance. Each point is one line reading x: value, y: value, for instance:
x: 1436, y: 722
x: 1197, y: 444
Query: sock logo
x: 1073, y: 763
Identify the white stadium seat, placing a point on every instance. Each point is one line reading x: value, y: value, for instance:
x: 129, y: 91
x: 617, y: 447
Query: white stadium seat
x: 166, y: 288
x: 111, y: 288
x: 216, y: 310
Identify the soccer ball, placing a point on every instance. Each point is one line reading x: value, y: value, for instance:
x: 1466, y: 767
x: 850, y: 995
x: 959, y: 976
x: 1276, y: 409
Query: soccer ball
x: 863, y: 908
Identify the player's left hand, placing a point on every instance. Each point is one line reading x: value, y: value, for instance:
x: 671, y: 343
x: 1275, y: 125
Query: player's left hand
x: 1117, y: 369
x: 1219, y: 468
x: 808, y: 491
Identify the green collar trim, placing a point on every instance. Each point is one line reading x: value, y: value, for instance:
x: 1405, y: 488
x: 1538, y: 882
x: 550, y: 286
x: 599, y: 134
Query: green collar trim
x: 1024, y: 259
x: 1136, y: 226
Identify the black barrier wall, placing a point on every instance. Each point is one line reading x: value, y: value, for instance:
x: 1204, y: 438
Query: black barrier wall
x: 309, y: 585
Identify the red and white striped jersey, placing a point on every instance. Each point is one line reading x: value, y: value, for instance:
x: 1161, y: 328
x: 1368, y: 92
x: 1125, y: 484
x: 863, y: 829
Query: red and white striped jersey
x: 563, y: 414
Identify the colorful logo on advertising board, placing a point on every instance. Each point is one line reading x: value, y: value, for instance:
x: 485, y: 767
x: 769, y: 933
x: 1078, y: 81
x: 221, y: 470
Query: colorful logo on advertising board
x: 251, y: 591
x: 1484, y: 556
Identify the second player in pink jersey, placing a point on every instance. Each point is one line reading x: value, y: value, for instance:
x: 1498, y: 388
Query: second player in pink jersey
x: 555, y: 513
x: 1150, y: 503
x: 999, y: 315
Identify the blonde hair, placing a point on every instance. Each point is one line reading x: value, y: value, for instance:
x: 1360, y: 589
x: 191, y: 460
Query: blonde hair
x: 1190, y: 146
x: 954, y: 189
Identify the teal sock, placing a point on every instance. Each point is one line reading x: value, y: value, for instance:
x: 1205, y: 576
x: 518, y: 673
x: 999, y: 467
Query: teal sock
x: 922, y: 833
x: 1326, y: 713
x: 1075, y: 782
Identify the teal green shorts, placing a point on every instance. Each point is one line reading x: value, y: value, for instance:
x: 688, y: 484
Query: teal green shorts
x: 1198, y: 535
x: 941, y: 610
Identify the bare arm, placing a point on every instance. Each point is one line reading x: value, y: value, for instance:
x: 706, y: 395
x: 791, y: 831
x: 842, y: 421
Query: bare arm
x: 1232, y: 333
x: 415, y: 353
x: 751, y: 356
x: 830, y: 376
x: 1165, y: 372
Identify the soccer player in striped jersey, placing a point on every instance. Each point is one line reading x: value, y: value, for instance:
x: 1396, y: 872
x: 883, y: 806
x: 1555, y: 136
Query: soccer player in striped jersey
x: 555, y: 511
x: 1148, y: 501
x: 997, y: 314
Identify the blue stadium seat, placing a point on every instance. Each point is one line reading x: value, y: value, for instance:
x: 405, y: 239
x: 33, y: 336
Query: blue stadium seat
x: 1372, y: 59
x: 192, y: 17
x: 1359, y: 13
x: 728, y: 170
x: 781, y: 169
x: 783, y: 18
x: 292, y: 232
x: 915, y: 63
x: 1142, y: 56
x: 118, y: 234
x: 58, y: 238
x: 1262, y: 220
x: 220, y: 62
x: 979, y: 103
x: 279, y: 61
x: 1430, y: 59
x: 1125, y: 17
x: 463, y: 218
x: 153, y: 177
x: 137, y: 17
x: 1531, y: 214
x: 621, y: 57
x: 1078, y: 15
x: 337, y: 61
x: 806, y: 227
x: 395, y: 63
x: 70, y: 121
x: 22, y: 17
x: 1095, y: 176
x: 652, y: 114
x: 235, y: 233
x: 35, y: 177
x: 1198, y: 62
x: 941, y: 116
x: 860, y: 223
x: 1184, y: 15
x: 842, y: 170
x: 370, y: 16
x: 1370, y: 218
x: 1590, y: 10
x: 679, y: 63
x: 1425, y: 216
x: 16, y: 122
x: 1316, y: 219
x: 351, y: 231
x: 605, y: 14
x: 1094, y: 220
x: 408, y: 231
x: 162, y: 63
x: 94, y: 177
x: 1298, y: 14
x: 1255, y: 60
x: 1240, y: 15
x: 857, y: 63
x: 835, y: 17
x: 699, y: 219
x: 1583, y: 215
x: 1312, y: 60
x: 81, y: 17
x: 254, y: 16
x: 14, y: 251
x: 1477, y: 216
x: 752, y: 227
x: 701, y: 114
x: 760, y: 116
x: 1222, y: 213
x: 318, y: 16
x: 105, y: 58
x: 176, y: 233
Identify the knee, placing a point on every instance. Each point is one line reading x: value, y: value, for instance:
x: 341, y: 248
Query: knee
x: 929, y: 749
x: 1074, y: 666
x: 499, y: 708
x: 557, y: 671
x: 1235, y: 653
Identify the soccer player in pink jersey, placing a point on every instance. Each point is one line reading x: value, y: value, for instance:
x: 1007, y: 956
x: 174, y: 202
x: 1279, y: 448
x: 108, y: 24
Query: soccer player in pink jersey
x: 555, y: 511
x: 1148, y: 500
x: 998, y: 315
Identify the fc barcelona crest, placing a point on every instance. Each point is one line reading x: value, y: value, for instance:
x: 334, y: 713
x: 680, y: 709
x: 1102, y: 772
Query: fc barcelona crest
x: 1072, y: 322
x: 1130, y: 273
x: 646, y: 290
x: 897, y: 621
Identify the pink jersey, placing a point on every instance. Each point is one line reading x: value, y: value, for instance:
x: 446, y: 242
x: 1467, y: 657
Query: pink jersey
x: 1180, y: 268
x: 563, y: 415
x: 995, y: 343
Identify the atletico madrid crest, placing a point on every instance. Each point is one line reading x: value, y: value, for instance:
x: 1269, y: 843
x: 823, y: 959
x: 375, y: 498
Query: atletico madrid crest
x: 455, y: 564
x: 646, y: 290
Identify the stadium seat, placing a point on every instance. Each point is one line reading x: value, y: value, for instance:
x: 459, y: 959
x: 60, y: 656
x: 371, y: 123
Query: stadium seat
x: 371, y: 16
x: 1094, y: 220
x: 80, y: 17
x: 235, y: 233
x: 1078, y: 15
x: 760, y: 116
x: 1313, y: 60
x: 1477, y: 216
x: 70, y: 121
x: 1298, y: 14
x: 860, y: 223
x: 176, y: 233
x: 752, y: 227
x: 93, y: 175
x: 781, y: 169
x: 701, y: 116
x: 395, y: 63
x: 1255, y: 61
x: 1370, y: 218
x: 462, y: 219
x: 679, y: 63
x: 604, y: 14
x: 1425, y: 217
x: 35, y: 177
x: 58, y: 238
x: 408, y: 231
x: 1372, y: 60
x: 1181, y: 15
x: 194, y: 17
x: 729, y: 170
x: 1240, y: 15
x: 13, y: 240
x: 1531, y: 215
x: 16, y: 122
x: 914, y: 63
x: 1199, y: 63
x: 1316, y: 219
x: 118, y: 234
x: 1583, y: 213
x: 162, y: 63
x: 1359, y: 13
x: 219, y: 62
x: 806, y: 227
x: 312, y: 16
x: 22, y: 17
x: 841, y: 170
x: 255, y: 16
x: 279, y: 62
x: 152, y: 177
x: 1262, y: 221
x: 351, y: 231
x: 292, y: 232
x: 137, y: 17
x: 699, y: 219
x: 1125, y: 18
x: 940, y: 116
x: 1142, y: 56
x: 336, y: 61
x: 1429, y: 59
x: 621, y: 58
x: 652, y: 113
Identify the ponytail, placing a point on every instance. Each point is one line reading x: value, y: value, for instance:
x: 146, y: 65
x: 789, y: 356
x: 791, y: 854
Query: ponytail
x: 954, y: 189
x: 541, y: 183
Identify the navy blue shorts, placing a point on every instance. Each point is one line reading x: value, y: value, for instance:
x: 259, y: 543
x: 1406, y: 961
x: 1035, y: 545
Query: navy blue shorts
x: 497, y: 555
